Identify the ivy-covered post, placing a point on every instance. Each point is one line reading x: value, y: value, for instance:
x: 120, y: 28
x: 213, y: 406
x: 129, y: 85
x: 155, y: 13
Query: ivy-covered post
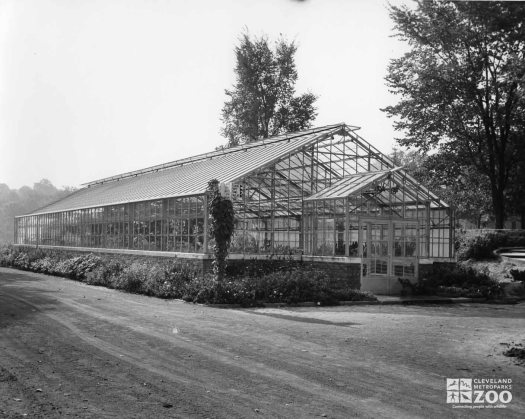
x: 221, y: 225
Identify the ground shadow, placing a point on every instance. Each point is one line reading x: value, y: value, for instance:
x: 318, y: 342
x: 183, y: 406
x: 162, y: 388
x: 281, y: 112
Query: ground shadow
x: 310, y: 320
x: 18, y: 302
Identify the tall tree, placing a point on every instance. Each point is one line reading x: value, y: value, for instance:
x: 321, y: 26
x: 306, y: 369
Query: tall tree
x: 461, y: 86
x: 262, y: 102
x: 516, y: 192
x: 459, y: 186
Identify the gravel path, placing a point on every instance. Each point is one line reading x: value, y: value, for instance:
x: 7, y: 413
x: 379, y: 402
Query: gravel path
x: 72, y: 350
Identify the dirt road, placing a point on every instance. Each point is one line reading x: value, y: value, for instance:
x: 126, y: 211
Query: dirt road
x: 72, y: 350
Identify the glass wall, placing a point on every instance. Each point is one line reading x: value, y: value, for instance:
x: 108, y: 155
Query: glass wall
x: 331, y: 225
x: 269, y: 202
x: 275, y: 208
x: 175, y: 224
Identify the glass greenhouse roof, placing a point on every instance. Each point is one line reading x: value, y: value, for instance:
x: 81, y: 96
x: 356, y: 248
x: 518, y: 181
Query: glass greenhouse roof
x: 361, y: 182
x: 189, y: 176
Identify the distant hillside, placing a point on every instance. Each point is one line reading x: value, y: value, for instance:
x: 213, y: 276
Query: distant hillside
x: 21, y: 201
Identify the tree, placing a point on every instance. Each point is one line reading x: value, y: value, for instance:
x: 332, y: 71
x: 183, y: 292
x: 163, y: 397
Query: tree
x: 412, y: 161
x: 459, y: 186
x: 461, y: 86
x: 262, y: 102
x: 516, y: 192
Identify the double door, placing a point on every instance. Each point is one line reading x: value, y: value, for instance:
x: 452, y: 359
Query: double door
x: 389, y: 252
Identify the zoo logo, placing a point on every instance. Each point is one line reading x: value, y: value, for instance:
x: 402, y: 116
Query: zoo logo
x: 461, y: 390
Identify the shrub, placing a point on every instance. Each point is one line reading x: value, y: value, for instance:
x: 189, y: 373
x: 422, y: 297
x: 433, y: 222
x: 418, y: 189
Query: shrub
x: 293, y: 286
x: 21, y: 261
x: 285, y: 281
x: 105, y: 273
x: 205, y: 289
x: 132, y: 278
x: 84, y: 264
x: 355, y: 295
x: 482, y: 246
x: 155, y: 283
x: 45, y: 265
x: 238, y: 291
x: 176, y: 280
x: 68, y: 268
x: 20, y: 258
x: 202, y: 289
x: 450, y: 291
x: 99, y: 276
x: 518, y: 274
x: 459, y: 281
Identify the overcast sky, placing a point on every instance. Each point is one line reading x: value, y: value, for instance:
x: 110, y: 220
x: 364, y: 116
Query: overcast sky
x: 90, y: 89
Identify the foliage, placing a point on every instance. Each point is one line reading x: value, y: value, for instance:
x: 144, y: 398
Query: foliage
x: 222, y: 225
x: 458, y: 281
x: 288, y: 286
x: 105, y: 273
x: 24, y: 200
x: 518, y: 274
x: 516, y: 190
x: 482, y: 246
x: 281, y: 283
x: 135, y: 277
x: 294, y: 286
x: 177, y: 279
x: 262, y: 102
x: 412, y: 161
x: 516, y: 351
x: 460, y: 186
x: 461, y: 87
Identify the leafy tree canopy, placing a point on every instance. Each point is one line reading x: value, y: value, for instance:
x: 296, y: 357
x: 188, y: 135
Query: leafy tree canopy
x: 262, y: 102
x: 459, y: 186
x: 461, y: 87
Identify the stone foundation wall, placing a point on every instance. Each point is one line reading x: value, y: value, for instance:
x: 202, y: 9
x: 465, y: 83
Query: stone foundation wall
x: 343, y: 275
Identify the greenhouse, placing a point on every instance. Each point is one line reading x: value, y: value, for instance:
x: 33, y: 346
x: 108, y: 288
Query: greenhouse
x: 323, y: 195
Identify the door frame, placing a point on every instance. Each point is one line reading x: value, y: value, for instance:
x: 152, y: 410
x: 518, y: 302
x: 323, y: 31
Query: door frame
x: 385, y: 282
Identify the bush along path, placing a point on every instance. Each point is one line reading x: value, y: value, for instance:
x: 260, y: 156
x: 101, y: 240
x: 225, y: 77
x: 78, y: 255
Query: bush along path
x: 479, y: 272
x: 292, y: 285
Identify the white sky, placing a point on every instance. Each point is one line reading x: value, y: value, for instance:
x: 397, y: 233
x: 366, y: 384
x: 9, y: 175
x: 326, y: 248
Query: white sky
x: 90, y: 89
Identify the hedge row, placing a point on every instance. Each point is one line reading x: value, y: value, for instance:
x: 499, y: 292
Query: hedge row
x: 295, y: 284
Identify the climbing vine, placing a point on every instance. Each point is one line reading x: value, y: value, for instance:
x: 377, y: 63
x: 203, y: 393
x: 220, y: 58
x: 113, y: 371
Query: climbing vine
x: 221, y: 227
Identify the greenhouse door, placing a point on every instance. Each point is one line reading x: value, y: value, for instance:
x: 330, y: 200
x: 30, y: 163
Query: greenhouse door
x: 388, y: 252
